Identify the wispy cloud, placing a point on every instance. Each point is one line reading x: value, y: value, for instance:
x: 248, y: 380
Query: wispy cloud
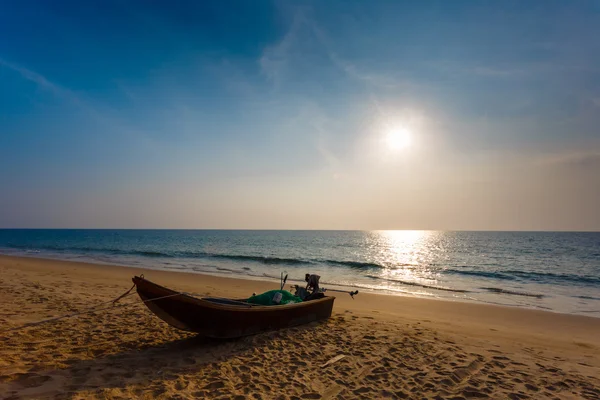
x: 63, y: 93
x: 52, y: 87
x: 40, y: 80
x: 481, y: 70
x: 128, y: 91
x: 351, y: 70
x: 516, y: 69
x: 275, y: 57
x: 374, y: 79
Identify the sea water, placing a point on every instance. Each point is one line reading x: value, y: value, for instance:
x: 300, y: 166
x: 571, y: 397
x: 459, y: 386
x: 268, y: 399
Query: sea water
x: 556, y: 271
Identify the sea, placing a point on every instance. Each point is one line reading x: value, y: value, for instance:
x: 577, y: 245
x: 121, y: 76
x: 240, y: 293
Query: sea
x: 554, y: 271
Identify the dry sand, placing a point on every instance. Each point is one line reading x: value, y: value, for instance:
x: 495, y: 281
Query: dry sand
x: 393, y: 347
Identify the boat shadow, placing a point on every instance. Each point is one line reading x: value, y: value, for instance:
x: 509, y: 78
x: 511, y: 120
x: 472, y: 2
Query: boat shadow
x: 147, y: 367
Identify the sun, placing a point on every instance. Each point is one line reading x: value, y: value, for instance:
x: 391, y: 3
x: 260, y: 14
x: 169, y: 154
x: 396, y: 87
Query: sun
x: 398, y: 138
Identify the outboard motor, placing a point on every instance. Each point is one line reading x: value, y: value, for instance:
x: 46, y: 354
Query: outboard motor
x: 301, y: 292
x: 305, y: 295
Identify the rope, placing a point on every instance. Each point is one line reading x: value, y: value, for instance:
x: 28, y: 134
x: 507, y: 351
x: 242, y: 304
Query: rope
x: 123, y: 295
x: 89, y: 311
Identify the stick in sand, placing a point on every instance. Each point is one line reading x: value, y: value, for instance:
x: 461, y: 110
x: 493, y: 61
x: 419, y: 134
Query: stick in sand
x: 334, y: 359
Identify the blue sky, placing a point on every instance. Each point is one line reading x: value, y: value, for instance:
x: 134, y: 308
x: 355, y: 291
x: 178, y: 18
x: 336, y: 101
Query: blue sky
x: 259, y: 114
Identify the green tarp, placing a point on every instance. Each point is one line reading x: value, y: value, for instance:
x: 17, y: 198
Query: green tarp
x: 270, y: 298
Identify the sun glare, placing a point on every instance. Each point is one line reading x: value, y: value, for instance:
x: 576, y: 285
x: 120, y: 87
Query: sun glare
x: 398, y: 138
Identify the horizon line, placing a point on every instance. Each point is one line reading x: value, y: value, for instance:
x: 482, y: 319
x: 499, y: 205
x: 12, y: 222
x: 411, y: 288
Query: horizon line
x: 307, y: 230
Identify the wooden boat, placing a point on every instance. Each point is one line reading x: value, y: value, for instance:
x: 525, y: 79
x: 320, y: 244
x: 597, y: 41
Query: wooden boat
x: 226, y: 318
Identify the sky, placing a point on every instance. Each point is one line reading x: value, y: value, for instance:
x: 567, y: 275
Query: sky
x: 445, y: 115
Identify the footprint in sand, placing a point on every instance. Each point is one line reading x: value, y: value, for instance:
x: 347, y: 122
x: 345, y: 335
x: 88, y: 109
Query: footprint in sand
x: 471, y: 392
x: 215, y: 385
x: 29, y: 380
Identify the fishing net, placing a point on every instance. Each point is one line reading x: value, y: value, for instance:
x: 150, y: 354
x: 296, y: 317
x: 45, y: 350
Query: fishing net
x: 274, y: 297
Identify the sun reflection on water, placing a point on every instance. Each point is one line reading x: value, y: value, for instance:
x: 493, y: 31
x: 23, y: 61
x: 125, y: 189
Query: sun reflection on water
x: 407, y: 255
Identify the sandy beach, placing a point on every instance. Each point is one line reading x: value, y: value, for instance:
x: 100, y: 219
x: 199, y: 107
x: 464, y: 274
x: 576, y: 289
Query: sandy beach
x: 393, y: 347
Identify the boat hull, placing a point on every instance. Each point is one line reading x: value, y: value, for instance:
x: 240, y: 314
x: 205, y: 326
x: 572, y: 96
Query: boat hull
x: 222, y: 318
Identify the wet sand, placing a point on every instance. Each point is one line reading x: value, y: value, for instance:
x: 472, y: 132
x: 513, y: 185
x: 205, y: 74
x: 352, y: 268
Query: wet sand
x: 392, y: 347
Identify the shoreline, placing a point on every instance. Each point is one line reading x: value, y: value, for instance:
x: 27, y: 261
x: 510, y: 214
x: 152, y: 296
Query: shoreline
x: 376, y: 300
x: 363, y: 290
x: 392, y: 346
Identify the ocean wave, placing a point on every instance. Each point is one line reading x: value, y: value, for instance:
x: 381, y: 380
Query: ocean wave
x: 260, y: 259
x: 354, y: 264
x: 87, y: 249
x: 513, y: 292
x: 409, y: 283
x: 161, y: 254
x: 546, y: 276
x: 369, y: 265
x: 179, y: 268
x: 484, y: 274
x: 54, y: 247
x: 226, y: 269
x: 200, y: 254
x: 149, y: 253
x: 540, y: 277
x: 233, y: 257
x: 587, y: 297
